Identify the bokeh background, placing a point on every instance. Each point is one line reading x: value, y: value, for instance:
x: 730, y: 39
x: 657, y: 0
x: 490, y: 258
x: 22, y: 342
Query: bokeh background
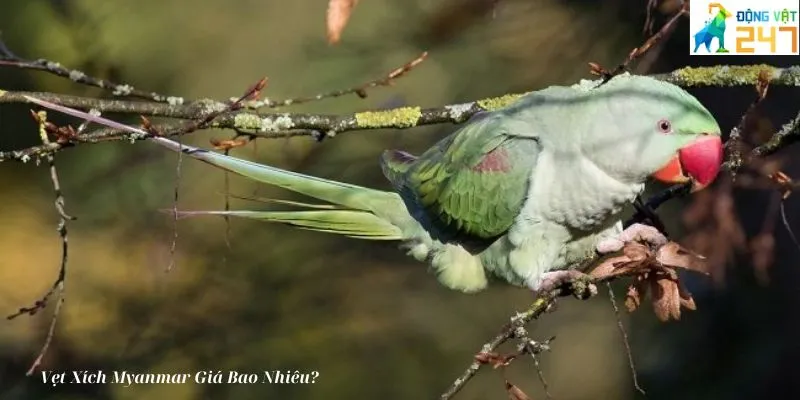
x: 373, y: 323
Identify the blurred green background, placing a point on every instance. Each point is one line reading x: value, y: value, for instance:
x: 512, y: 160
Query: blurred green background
x: 372, y: 322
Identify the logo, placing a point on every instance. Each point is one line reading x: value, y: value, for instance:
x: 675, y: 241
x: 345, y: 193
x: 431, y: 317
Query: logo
x: 745, y: 27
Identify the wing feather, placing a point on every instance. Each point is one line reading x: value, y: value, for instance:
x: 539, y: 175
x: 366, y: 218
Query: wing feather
x: 470, y: 185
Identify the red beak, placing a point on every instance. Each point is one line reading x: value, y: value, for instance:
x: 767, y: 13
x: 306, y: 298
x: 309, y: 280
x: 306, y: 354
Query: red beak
x: 699, y: 161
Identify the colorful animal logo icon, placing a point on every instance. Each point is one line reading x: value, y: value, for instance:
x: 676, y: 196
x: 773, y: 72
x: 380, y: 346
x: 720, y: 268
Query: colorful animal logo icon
x: 715, y: 28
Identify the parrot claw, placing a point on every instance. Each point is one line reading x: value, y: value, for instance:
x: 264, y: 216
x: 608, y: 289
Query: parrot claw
x: 568, y: 281
x: 641, y: 233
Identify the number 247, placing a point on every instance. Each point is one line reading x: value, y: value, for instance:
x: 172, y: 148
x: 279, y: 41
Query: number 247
x: 751, y: 35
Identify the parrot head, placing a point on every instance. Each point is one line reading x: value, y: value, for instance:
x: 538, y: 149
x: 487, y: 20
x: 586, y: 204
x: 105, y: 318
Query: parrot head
x: 662, y: 132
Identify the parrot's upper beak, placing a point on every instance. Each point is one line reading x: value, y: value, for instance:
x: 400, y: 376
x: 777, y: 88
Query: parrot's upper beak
x: 699, y: 161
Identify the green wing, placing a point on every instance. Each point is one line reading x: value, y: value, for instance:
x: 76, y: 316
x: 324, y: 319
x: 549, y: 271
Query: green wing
x: 470, y: 185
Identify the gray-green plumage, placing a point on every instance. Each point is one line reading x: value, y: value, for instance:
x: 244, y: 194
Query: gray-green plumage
x: 455, y: 182
x: 515, y: 192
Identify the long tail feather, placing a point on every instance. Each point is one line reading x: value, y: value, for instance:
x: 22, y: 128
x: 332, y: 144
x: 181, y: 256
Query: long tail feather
x: 352, y: 196
x: 352, y: 223
x: 356, y: 197
x: 373, y: 214
x: 280, y: 201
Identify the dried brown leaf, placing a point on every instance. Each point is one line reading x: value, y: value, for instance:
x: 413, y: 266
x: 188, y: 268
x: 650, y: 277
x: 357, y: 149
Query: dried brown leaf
x: 655, y: 271
x: 636, y: 251
x: 484, y: 357
x: 515, y: 393
x: 146, y: 124
x: 495, y: 359
x: 596, y: 69
x: 784, y: 181
x: 254, y: 92
x: 635, y: 256
x: 666, y: 299
x: 664, y: 272
x: 674, y: 255
x: 338, y: 14
x: 398, y: 72
x: 637, y: 51
x: 613, y: 266
x: 227, y: 144
x: 636, y: 291
x: 632, y: 299
x: 689, y: 303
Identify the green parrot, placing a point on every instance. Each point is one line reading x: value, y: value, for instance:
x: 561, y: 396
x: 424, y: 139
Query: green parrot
x: 521, y: 193
x: 518, y: 193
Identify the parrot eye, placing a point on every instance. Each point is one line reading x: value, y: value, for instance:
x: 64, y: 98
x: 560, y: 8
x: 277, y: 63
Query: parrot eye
x: 664, y: 126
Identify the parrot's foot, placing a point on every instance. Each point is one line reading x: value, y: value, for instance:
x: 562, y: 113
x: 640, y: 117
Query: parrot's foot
x: 641, y: 233
x: 568, y: 281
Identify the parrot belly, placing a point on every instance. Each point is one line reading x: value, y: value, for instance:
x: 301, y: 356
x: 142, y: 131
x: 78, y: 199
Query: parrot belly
x: 571, y: 205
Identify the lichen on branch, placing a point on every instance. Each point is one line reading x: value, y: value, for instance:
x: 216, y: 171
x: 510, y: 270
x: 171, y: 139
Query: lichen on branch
x: 275, y: 125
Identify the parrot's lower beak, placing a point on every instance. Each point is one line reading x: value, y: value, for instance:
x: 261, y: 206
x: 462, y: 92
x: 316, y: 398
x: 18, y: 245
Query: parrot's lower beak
x: 699, y: 161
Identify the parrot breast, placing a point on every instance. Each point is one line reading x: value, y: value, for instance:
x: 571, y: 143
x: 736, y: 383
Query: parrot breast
x: 571, y: 204
x: 574, y: 192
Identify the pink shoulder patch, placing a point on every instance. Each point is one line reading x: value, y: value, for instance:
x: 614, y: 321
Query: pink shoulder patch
x: 494, y: 161
x: 401, y: 156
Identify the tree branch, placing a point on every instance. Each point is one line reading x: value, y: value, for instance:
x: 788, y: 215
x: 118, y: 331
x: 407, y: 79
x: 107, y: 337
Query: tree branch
x: 58, y: 287
x: 9, y: 59
x: 272, y: 125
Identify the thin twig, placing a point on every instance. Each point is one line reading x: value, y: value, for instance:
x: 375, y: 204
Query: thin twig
x: 176, y: 192
x: 507, y: 332
x: 58, y: 287
x: 540, y: 375
x: 360, y: 90
x: 787, y: 226
x: 625, y: 341
x: 9, y: 59
x: 534, y: 352
x: 253, y: 92
x: 636, y: 53
x: 227, y: 208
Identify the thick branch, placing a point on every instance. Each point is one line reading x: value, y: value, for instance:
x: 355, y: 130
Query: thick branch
x: 190, y: 110
x: 275, y: 125
x: 731, y: 75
